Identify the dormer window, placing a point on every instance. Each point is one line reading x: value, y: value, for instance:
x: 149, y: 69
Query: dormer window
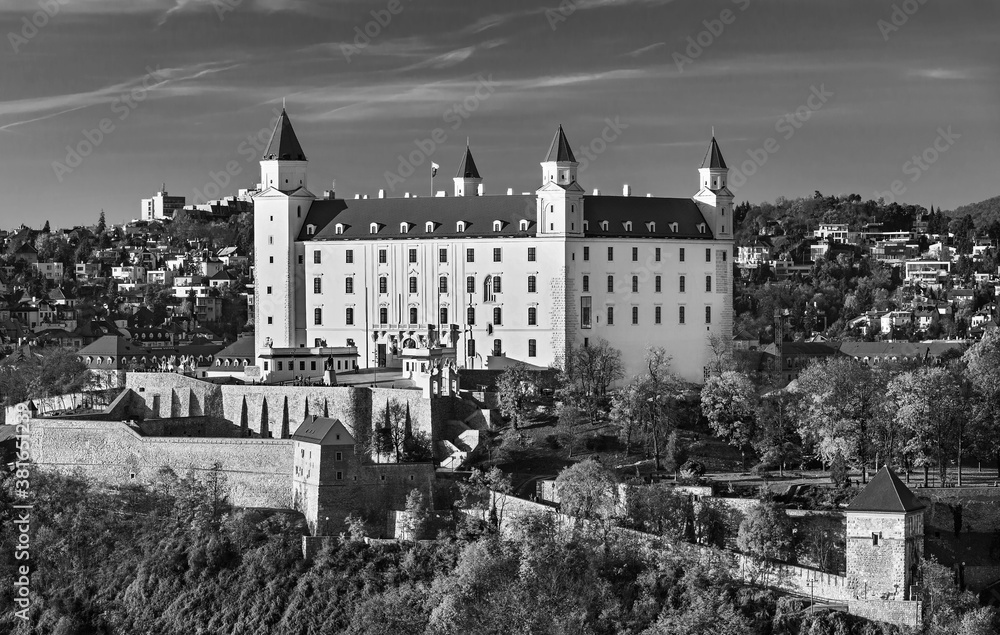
x: 524, y: 225
x: 673, y: 227
x: 604, y: 225
x: 373, y: 228
x: 338, y: 228
x: 701, y: 228
x: 497, y: 225
x: 460, y: 227
x: 310, y: 230
x: 586, y: 225
x: 404, y: 228
x: 429, y: 227
x: 628, y: 225
x: 651, y: 227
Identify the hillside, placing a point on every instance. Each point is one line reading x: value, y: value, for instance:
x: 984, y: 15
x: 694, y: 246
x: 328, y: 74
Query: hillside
x: 983, y: 213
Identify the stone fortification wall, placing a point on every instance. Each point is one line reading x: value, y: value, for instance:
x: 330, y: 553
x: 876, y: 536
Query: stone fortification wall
x: 977, y: 507
x: 904, y: 613
x: 258, y: 471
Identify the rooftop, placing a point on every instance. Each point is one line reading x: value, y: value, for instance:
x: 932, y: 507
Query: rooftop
x: 886, y: 493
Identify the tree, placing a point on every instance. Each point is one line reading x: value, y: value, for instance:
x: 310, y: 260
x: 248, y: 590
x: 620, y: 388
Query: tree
x: 729, y: 402
x: 928, y: 405
x: 777, y: 444
x: 766, y: 533
x: 417, y: 515
x: 102, y: 225
x: 588, y: 490
x: 659, y: 509
x: 512, y: 388
x: 488, y: 492
x: 394, y: 435
x: 982, y: 371
x: 626, y: 411
x: 590, y: 372
x: 46, y: 228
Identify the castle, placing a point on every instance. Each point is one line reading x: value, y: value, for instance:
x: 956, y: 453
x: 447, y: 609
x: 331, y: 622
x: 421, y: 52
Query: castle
x: 376, y: 283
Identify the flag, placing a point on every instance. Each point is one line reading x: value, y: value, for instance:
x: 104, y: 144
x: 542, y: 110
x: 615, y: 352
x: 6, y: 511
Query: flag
x: 434, y: 168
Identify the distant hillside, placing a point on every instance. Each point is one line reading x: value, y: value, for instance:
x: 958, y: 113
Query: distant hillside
x: 983, y: 213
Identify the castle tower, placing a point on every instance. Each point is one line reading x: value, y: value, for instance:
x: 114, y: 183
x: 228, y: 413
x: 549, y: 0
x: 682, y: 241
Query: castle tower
x: 713, y: 197
x: 323, y: 463
x: 560, y: 199
x: 467, y: 180
x: 885, y: 539
x: 280, y: 208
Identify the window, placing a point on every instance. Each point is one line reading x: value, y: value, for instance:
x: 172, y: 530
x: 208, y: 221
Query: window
x: 265, y: 366
x: 383, y: 285
x: 497, y: 315
x: 635, y: 284
x: 373, y: 228
x: 443, y: 284
x: 301, y: 259
x: 585, y: 319
x: 340, y: 456
x: 442, y: 255
x: 383, y: 315
x: 875, y: 538
x: 382, y: 257
x: 317, y: 285
x: 470, y: 284
x: 497, y: 348
x: 269, y: 290
x: 281, y: 365
x: 724, y: 254
x: 531, y: 254
x: 302, y: 365
x: 460, y: 227
x: 586, y: 284
x: 317, y: 258
x: 657, y: 254
x: 682, y: 255
x: 471, y: 348
x: 708, y: 284
x: 443, y: 315
x: 496, y: 284
x: 531, y: 284
x: 611, y: 254
x: 404, y: 228
x: 270, y: 320
x: 413, y: 315
x: 680, y: 315
x: 523, y: 225
x: 413, y: 255
x: 658, y: 315
x: 611, y: 284
x: 635, y: 315
x: 708, y: 315
x: 532, y: 316
x: 497, y: 226
x: 681, y: 285
x: 635, y: 254
x: 413, y: 284
x: 496, y: 254
x: 470, y: 255
x: 317, y: 316
x: 708, y: 255
x: 270, y: 240
x: 659, y: 283
x: 586, y: 253
x: 349, y: 285
x: 532, y: 348
x: 350, y: 256
x: 340, y: 476
x: 611, y: 316
x: 349, y: 316
x: 470, y: 315
x: 312, y: 365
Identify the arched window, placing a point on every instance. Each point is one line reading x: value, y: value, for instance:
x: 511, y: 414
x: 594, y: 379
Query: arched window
x: 373, y: 228
x: 497, y: 226
x: 339, y: 228
x: 460, y: 227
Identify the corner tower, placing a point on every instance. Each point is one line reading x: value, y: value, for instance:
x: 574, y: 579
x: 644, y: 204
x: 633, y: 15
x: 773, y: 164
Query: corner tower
x: 280, y: 207
x: 467, y: 180
x: 560, y: 199
x: 885, y: 539
x: 713, y: 197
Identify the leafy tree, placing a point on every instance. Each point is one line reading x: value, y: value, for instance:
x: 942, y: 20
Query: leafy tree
x: 588, y: 490
x: 417, y: 514
x: 982, y: 370
x: 513, y: 387
x: 659, y: 509
x: 766, y: 533
x: 486, y: 491
x: 729, y: 402
x: 928, y: 405
x: 590, y: 372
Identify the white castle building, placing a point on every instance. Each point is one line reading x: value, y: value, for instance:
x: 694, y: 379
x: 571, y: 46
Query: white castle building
x: 387, y: 282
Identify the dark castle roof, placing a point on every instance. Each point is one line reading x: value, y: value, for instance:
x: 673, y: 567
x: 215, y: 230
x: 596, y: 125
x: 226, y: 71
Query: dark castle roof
x: 713, y: 158
x: 560, y: 149
x: 479, y: 213
x: 468, y: 169
x: 284, y: 144
x: 886, y: 493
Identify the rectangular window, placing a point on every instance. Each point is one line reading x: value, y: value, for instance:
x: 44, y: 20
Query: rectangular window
x: 265, y: 366
x: 383, y: 315
x: 874, y: 539
x: 681, y: 286
x: 682, y: 255
x: 585, y: 306
x: 471, y: 348
x: 270, y: 320
x: 340, y: 476
x: 532, y: 348
x: 497, y: 315
x: 497, y: 348
x: 611, y: 254
x: 312, y: 365
x: 383, y: 285
x: 470, y: 255
x: 611, y: 316
x: 586, y: 284
x: 496, y: 254
x: 680, y: 315
x: 443, y: 315
x: 349, y: 285
x: 340, y: 456
x: 532, y: 316
x: 708, y: 284
x: 635, y: 315
x: 413, y: 284
x: 531, y: 284
x: 443, y: 284
x: 382, y: 256
x: 635, y: 284
x: 281, y: 365
x: 301, y: 258
x: 317, y: 316
x: 496, y: 284
x: 413, y: 255
x: 635, y: 254
x: 269, y: 291
x: 531, y: 254
x: 708, y: 315
x: 724, y: 255
x: 470, y: 284
x: 317, y: 285
x: 586, y: 253
x: 708, y: 255
x: 470, y: 315
x: 659, y: 284
x: 350, y: 316
x: 442, y: 255
x: 611, y: 284
x: 349, y: 256
x: 658, y: 315
x: 302, y: 365
x: 317, y: 258
x: 657, y: 254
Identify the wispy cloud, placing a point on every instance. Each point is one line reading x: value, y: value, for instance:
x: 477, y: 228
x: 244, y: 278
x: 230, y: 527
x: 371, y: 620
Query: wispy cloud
x: 499, y: 19
x: 941, y: 73
x: 646, y: 49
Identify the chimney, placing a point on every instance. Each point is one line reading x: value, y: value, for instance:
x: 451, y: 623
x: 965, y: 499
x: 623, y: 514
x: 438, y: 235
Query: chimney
x: 357, y: 197
x: 407, y: 195
x: 597, y: 192
x: 441, y: 194
x: 365, y: 197
x: 648, y: 195
x: 627, y: 190
x: 480, y: 191
x: 329, y: 195
x: 381, y: 193
x: 510, y: 191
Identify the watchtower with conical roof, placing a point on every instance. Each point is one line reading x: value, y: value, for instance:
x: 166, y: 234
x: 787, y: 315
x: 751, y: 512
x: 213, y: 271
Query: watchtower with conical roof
x: 885, y: 539
x: 560, y: 199
x: 714, y: 197
x: 468, y: 180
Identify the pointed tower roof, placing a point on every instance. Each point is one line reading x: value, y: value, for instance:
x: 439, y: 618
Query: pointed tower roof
x: 468, y: 169
x: 560, y: 151
x: 284, y: 145
x: 713, y: 158
x: 886, y: 493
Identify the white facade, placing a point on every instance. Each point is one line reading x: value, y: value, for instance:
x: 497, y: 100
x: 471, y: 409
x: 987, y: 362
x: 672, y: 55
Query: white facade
x: 526, y: 277
x: 160, y: 207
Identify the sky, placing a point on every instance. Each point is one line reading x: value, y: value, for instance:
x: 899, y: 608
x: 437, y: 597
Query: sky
x: 101, y: 101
